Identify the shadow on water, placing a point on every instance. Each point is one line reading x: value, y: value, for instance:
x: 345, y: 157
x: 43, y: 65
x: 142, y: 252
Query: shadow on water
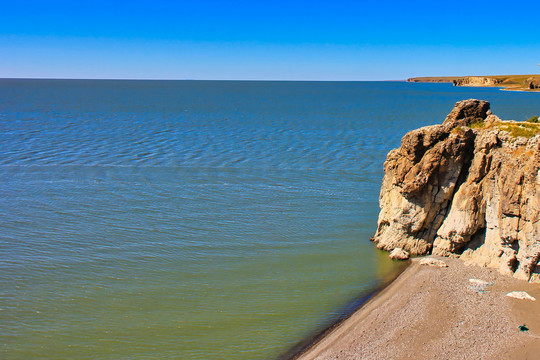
x: 344, y: 313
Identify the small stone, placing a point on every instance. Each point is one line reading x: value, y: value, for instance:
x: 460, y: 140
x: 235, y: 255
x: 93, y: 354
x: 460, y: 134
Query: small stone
x: 433, y: 262
x: 520, y: 295
x: 479, y: 285
x: 492, y: 119
x: 479, y: 282
x: 399, y: 254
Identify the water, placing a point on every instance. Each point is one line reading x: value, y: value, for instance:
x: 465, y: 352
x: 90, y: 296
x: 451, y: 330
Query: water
x: 195, y: 219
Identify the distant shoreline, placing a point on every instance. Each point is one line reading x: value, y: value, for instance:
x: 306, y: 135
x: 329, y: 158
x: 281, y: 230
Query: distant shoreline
x: 529, y: 82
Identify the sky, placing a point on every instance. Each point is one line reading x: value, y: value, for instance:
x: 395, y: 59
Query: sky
x: 267, y: 40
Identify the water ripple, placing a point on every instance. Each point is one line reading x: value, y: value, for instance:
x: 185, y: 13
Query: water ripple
x: 194, y: 220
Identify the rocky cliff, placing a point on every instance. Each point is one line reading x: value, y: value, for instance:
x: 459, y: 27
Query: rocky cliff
x: 532, y: 83
x: 467, y: 188
x: 509, y: 82
x: 477, y: 81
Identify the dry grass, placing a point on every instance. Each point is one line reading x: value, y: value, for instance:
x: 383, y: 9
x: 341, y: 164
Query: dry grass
x: 478, y: 124
x: 522, y: 152
x: 514, y: 128
x: 517, y: 129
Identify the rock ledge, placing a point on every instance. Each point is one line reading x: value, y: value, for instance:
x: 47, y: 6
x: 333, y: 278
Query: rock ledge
x: 469, y: 188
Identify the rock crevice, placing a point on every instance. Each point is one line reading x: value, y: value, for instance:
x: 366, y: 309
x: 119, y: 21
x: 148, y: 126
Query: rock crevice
x: 465, y: 188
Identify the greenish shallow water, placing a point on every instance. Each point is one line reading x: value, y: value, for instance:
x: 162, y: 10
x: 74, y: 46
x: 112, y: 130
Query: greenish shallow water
x: 195, y: 220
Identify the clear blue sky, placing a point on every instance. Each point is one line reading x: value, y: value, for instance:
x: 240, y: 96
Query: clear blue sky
x: 294, y: 40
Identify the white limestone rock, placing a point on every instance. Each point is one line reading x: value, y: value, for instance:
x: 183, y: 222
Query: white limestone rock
x: 399, y: 254
x: 520, y: 295
x: 433, y: 262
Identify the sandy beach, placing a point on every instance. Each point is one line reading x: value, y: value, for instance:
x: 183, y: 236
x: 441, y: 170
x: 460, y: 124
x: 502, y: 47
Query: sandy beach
x: 438, y: 313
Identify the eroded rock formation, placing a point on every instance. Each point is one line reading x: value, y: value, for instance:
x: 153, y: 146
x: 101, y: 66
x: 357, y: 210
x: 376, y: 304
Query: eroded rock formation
x: 466, y: 188
x: 476, y: 81
x: 532, y: 83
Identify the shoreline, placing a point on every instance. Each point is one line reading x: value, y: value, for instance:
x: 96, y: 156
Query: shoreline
x: 435, y: 313
x: 349, y: 310
x: 525, y: 83
x: 341, y: 325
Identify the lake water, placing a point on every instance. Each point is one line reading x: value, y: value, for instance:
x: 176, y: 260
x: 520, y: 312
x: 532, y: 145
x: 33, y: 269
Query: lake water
x: 196, y: 219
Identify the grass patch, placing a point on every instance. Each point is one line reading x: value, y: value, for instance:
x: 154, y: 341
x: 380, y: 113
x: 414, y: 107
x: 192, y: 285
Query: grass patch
x: 533, y: 119
x: 479, y: 124
x: 529, y: 125
x: 526, y: 129
x: 516, y: 129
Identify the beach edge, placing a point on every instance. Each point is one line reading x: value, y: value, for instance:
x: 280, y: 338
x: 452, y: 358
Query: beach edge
x: 354, y: 307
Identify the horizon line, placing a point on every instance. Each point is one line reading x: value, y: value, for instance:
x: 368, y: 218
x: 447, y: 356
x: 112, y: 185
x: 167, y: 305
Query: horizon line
x: 150, y: 79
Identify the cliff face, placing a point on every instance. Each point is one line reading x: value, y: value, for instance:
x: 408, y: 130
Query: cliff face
x: 476, y: 81
x: 468, y: 188
x: 532, y: 83
x: 509, y: 82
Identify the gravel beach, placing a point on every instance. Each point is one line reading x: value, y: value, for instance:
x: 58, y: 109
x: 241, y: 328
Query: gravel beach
x: 454, y: 312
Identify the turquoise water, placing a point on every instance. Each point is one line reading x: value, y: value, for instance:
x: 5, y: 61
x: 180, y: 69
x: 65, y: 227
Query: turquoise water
x: 195, y: 219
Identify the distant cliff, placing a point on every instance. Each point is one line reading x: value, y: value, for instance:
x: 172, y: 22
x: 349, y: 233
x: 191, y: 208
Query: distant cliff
x: 510, y: 82
x: 477, y: 81
x: 467, y: 188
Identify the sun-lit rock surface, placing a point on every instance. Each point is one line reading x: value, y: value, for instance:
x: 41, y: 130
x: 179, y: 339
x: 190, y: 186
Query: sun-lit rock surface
x: 468, y: 188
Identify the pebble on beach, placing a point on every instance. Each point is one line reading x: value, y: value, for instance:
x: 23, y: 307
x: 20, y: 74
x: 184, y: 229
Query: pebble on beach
x: 479, y: 285
x: 520, y: 295
x: 433, y: 262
